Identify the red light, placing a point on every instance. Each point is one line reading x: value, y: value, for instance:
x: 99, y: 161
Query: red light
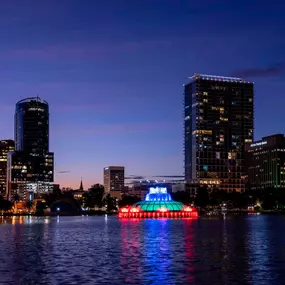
x: 188, y: 209
x: 124, y: 210
x: 134, y: 210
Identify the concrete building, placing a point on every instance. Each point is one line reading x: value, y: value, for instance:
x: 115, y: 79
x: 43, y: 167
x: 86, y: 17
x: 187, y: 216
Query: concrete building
x: 218, y: 122
x: 5, y: 147
x: 114, y: 180
x: 178, y: 187
x: 266, y: 162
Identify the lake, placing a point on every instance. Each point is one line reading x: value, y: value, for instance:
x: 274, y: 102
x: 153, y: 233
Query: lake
x: 105, y: 250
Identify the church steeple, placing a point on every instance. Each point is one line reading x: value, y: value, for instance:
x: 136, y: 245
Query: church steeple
x: 81, y: 185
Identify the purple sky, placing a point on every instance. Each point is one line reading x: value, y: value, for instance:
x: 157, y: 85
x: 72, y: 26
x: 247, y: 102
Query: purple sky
x: 112, y: 72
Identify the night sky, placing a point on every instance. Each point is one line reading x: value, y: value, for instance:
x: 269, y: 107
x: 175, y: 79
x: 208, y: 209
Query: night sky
x: 112, y: 72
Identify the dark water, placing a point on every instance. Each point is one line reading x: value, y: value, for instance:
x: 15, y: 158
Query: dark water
x: 98, y: 250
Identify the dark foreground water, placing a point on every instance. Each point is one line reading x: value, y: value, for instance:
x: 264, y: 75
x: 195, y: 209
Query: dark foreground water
x: 98, y: 250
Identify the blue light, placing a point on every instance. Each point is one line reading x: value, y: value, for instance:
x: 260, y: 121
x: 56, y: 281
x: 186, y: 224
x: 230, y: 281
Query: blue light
x: 186, y: 107
x: 158, y: 194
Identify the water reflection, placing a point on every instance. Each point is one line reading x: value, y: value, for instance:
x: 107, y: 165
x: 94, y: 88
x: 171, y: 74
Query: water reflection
x: 100, y: 250
x: 266, y: 259
x: 130, y: 251
x: 189, y: 251
x: 158, y: 253
x: 24, y: 248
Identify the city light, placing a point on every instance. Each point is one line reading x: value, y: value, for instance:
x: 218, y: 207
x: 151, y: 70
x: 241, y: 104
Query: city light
x: 158, y: 204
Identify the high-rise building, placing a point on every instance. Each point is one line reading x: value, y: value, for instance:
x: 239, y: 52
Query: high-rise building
x: 218, y: 122
x: 5, y: 147
x: 114, y: 179
x: 30, y: 167
x: 32, y: 125
x: 265, y: 162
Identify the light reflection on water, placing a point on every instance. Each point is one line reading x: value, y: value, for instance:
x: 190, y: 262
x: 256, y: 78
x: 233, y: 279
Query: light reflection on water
x: 104, y: 250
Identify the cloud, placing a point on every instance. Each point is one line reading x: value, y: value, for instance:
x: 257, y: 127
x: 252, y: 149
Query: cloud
x: 63, y: 171
x: 168, y: 176
x: 135, y: 177
x: 269, y: 71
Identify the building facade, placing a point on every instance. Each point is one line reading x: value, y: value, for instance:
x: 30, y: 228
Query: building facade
x: 30, y: 168
x: 218, y: 122
x: 32, y: 126
x: 114, y: 179
x: 5, y: 147
x: 265, y: 161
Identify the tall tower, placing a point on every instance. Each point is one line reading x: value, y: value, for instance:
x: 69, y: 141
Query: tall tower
x: 32, y: 125
x: 218, y: 122
x: 30, y: 168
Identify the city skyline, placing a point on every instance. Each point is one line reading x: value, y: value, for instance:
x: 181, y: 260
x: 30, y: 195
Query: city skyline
x: 113, y: 74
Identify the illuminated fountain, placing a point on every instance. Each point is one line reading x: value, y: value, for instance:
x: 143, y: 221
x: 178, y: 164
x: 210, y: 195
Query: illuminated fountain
x: 158, y: 204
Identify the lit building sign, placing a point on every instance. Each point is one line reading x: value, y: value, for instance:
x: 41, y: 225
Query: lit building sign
x: 258, y: 144
x: 36, y: 109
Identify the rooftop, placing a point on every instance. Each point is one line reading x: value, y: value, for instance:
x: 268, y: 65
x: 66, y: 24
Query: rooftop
x: 217, y: 78
x: 31, y: 99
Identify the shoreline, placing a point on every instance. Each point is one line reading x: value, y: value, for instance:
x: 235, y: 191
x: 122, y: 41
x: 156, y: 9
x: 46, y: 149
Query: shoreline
x: 102, y: 213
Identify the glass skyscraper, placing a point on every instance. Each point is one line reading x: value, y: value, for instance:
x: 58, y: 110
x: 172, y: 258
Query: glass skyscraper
x: 30, y: 168
x: 32, y: 125
x: 218, y: 122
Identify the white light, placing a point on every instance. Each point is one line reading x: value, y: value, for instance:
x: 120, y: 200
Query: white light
x: 258, y: 143
x: 157, y: 190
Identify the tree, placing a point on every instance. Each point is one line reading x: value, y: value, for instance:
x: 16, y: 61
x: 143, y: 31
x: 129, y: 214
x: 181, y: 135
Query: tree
x: 202, y: 197
x: 183, y: 197
x: 128, y: 200
x: 94, y: 196
x: 218, y: 197
x: 269, y: 199
x: 29, y: 205
x: 16, y: 198
x: 40, y: 207
x: 111, y: 203
x: 5, y: 205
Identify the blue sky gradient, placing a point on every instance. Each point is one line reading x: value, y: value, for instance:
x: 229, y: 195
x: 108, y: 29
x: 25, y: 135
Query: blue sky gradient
x: 113, y: 73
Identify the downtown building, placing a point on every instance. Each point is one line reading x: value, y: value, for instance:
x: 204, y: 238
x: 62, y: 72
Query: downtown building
x: 114, y: 181
x: 218, y: 122
x: 30, y: 168
x: 265, y: 163
x: 6, y: 146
